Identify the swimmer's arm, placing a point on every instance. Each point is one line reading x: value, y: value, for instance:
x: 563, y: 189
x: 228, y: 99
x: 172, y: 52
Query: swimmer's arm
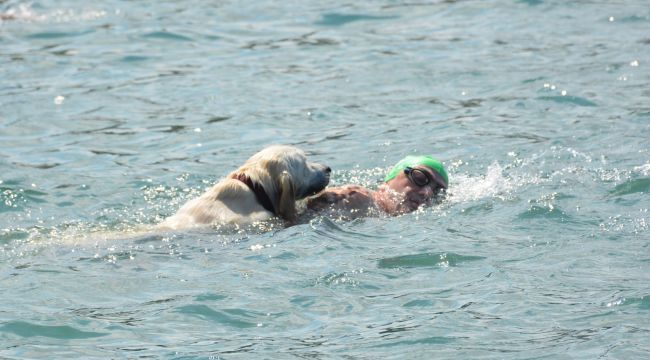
x: 348, y: 196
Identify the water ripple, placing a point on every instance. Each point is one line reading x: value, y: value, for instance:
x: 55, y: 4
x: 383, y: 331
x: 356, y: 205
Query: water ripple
x: 56, y: 35
x: 166, y: 35
x: 575, y: 100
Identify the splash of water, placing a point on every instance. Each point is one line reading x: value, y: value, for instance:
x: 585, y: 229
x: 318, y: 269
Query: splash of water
x: 495, y: 183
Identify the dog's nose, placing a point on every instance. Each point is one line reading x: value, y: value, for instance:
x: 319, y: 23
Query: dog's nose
x: 328, y: 169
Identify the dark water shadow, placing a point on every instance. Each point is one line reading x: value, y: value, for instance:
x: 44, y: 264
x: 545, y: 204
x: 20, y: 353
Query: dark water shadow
x: 632, y: 187
x: 338, y: 19
x: 426, y: 260
x: 237, y: 318
x: 27, y: 329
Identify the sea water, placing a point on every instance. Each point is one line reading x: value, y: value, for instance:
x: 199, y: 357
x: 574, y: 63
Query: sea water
x: 113, y: 114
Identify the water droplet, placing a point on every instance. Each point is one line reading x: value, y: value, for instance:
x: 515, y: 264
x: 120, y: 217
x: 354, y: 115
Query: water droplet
x: 563, y: 92
x: 59, y: 100
x: 611, y: 19
x: 634, y: 63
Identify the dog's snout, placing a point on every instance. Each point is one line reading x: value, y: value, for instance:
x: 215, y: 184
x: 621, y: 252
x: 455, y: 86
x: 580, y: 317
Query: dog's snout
x: 328, y: 169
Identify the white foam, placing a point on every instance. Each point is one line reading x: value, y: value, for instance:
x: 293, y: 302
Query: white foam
x: 24, y: 12
x: 493, y: 184
x: 643, y: 169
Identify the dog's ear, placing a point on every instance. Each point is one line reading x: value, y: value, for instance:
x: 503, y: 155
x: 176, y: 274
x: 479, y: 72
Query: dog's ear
x: 287, y: 198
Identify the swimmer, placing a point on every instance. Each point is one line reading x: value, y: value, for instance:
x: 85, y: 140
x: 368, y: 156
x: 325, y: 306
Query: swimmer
x: 411, y: 183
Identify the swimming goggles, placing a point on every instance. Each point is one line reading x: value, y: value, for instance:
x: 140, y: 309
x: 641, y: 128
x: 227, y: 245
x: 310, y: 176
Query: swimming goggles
x: 421, y: 178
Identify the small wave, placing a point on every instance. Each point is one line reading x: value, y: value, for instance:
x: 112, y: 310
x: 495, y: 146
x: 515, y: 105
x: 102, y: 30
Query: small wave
x: 642, y: 302
x: 337, y: 279
x: 643, y: 169
x: 433, y: 340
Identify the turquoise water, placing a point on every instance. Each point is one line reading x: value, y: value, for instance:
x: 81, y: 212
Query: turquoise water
x: 112, y: 115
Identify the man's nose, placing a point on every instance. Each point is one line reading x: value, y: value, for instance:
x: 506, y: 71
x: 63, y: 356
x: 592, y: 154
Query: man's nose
x: 426, y: 191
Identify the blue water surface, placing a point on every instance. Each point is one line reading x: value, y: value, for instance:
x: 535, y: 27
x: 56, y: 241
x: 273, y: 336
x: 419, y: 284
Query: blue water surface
x: 113, y: 114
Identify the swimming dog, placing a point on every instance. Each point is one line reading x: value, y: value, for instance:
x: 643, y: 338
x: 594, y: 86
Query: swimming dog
x: 267, y: 185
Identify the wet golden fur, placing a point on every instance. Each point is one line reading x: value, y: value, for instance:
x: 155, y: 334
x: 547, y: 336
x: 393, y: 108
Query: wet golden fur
x: 282, y: 171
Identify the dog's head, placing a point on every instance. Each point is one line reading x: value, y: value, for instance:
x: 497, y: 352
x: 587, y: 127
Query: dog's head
x: 286, y: 176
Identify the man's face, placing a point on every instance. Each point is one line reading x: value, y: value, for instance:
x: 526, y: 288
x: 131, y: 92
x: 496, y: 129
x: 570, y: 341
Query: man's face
x: 414, y: 195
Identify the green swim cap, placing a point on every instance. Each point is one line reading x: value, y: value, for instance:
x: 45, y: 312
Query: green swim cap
x: 420, y: 160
